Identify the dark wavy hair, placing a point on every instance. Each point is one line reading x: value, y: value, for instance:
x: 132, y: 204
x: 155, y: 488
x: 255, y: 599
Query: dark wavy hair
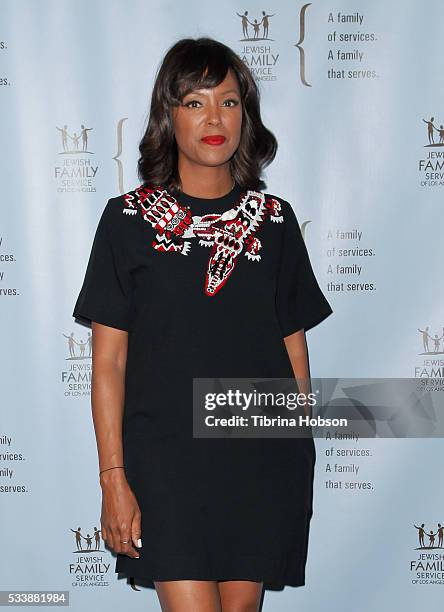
x: 203, y: 63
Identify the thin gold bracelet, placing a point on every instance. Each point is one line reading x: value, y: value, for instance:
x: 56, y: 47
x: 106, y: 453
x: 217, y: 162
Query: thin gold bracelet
x: 112, y: 468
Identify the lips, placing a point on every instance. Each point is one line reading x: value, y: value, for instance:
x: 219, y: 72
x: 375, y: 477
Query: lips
x: 214, y: 140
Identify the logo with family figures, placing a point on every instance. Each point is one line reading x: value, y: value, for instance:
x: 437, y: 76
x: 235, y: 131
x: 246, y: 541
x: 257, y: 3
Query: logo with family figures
x: 72, y: 145
x: 88, y: 539
x: 260, y: 58
x: 428, y: 568
x: 431, y: 369
x: 431, y: 344
x: 76, y: 377
x: 89, y: 568
x: 431, y: 168
x: 431, y: 535
x: 433, y: 131
x: 79, y: 349
x: 256, y: 26
x: 75, y: 172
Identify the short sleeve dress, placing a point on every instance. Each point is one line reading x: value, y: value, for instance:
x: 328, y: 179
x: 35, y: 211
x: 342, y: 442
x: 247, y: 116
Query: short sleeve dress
x: 206, y: 288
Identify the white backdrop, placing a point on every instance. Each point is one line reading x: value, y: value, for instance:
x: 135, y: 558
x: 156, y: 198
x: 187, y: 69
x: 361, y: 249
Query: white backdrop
x: 347, y: 88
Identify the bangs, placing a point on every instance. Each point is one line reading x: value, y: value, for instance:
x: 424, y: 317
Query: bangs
x: 203, y: 67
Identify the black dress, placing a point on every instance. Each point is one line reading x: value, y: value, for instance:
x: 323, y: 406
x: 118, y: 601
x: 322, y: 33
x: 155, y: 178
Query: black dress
x: 206, y: 288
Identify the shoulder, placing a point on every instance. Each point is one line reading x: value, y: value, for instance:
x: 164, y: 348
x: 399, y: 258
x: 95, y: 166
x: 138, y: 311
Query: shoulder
x: 139, y: 199
x: 120, y: 211
x: 129, y: 202
x: 124, y: 203
x: 280, y: 207
x: 274, y: 196
x: 285, y: 204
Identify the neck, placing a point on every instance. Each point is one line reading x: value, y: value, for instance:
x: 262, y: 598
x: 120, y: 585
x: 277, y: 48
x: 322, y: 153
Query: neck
x: 206, y: 182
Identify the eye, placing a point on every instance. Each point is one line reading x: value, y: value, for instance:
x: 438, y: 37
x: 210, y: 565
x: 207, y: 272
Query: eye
x: 187, y: 104
x: 235, y: 102
x: 232, y: 103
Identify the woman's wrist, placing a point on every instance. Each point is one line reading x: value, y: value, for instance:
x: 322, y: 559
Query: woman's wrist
x: 114, y: 467
x: 112, y: 475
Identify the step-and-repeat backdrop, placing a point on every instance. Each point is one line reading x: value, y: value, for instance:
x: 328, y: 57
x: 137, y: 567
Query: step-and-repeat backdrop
x: 353, y: 91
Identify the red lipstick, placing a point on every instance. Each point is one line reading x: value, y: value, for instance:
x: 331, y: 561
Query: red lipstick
x: 213, y: 140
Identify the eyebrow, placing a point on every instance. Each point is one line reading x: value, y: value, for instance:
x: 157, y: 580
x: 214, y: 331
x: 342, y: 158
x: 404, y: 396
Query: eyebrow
x: 196, y: 91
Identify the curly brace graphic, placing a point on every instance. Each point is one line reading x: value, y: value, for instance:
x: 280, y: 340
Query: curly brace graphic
x: 228, y: 234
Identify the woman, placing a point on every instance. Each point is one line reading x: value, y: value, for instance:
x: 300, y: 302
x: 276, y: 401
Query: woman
x: 196, y: 274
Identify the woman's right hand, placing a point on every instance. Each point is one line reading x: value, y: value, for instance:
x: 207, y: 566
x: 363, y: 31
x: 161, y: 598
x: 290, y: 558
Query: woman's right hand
x: 121, y: 516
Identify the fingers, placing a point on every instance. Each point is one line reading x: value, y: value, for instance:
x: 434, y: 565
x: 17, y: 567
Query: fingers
x: 109, y: 537
x: 136, y: 531
x: 126, y: 545
x: 124, y: 542
x: 104, y: 533
x: 119, y: 539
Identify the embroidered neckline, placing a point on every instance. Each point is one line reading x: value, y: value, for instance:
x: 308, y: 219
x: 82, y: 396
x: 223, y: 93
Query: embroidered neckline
x: 230, y: 233
x: 197, y: 202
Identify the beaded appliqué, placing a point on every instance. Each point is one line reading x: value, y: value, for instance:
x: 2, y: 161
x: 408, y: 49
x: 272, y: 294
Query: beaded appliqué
x: 228, y: 234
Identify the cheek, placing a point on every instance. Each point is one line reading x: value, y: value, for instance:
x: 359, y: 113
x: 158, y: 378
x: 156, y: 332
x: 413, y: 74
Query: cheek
x: 182, y: 129
x: 236, y: 120
x: 235, y: 124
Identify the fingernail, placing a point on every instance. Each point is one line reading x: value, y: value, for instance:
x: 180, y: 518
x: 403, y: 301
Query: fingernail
x: 139, y: 543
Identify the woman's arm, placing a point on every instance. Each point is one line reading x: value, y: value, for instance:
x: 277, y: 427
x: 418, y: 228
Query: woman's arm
x: 107, y: 395
x: 120, y: 511
x: 296, y: 346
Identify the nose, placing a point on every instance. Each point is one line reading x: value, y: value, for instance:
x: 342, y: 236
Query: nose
x: 214, y: 116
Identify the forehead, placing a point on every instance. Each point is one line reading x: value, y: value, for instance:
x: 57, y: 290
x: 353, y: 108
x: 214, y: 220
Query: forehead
x: 228, y: 85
